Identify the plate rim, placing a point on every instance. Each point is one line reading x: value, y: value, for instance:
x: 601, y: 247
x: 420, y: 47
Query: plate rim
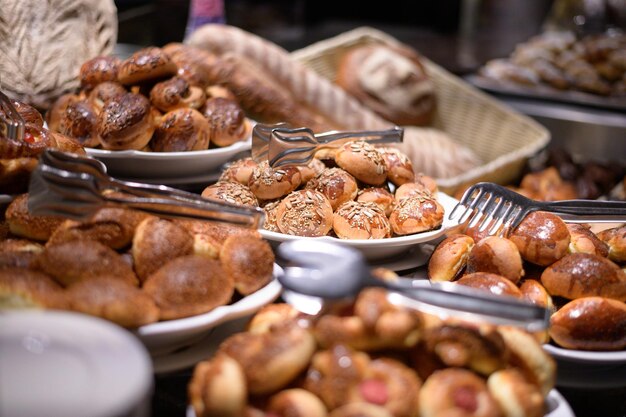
x: 585, y: 356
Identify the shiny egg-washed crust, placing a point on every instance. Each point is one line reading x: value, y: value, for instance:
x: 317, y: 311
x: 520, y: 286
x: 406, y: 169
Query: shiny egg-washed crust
x: 449, y: 257
x: 363, y: 161
x: 23, y: 224
x: 296, y: 402
x: 305, y: 213
x: 98, y: 70
x: 114, y: 300
x: 584, y: 240
x: 104, y: 92
x: 20, y: 288
x: 497, y: 255
x: 542, y: 238
x: 615, y: 238
x: 399, y: 166
x: 360, y: 220
x: 239, y: 171
x: 18, y: 253
x: 126, y: 123
x: 231, y: 192
x: 146, y: 65
x: 228, y: 121
x: 416, y: 214
x: 490, y: 282
x: 311, y: 170
x: 336, y: 184
x: 514, y: 395
x: 534, y: 292
x: 268, y: 183
x: 249, y: 261
x: 182, y: 129
x: 176, y: 92
x: 378, y: 195
x: 79, y: 121
x: 189, y: 285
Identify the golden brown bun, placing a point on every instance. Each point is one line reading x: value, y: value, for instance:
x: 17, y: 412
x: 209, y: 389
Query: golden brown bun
x: 305, y: 213
x: 456, y: 392
x: 270, y: 210
x: 381, y: 196
x: 57, y: 110
x: 80, y: 260
x: 23, y: 224
x: 514, y: 395
x: 547, y: 185
x: 249, y: 261
x: 296, y: 402
x: 18, y: 253
x: 363, y: 161
x: 175, y: 93
x: 239, y: 171
x: 534, y: 292
x: 615, y: 238
x: 590, y: 323
x: 399, y: 166
x: 390, y: 80
x: 36, y: 140
x: 231, y: 192
x: 30, y: 114
x: 311, y: 170
x: 146, y: 65
x: 218, y: 388
x: 228, y: 121
x: 181, y: 129
x: 271, y: 360
x: 336, y: 184
x: 497, y: 255
x: 20, y: 288
x: 542, y: 238
x: 493, y: 283
x: 268, y: 183
x: 126, y: 122
x: 584, y: 240
x: 103, y: 92
x: 189, y: 285
x: 98, y: 70
x: 449, y: 257
x: 113, y: 300
x: 358, y: 220
x: 416, y: 214
x: 217, y: 232
x: 156, y: 242
x: 583, y: 275
x: 275, y: 314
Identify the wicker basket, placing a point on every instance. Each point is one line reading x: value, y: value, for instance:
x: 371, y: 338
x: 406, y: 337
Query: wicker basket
x: 502, y: 137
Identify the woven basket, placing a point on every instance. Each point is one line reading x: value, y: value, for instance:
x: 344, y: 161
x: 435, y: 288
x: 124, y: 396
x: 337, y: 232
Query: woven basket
x: 502, y: 137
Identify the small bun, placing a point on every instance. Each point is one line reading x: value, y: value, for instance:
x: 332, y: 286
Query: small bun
x: 449, y: 257
x: 126, y: 122
x: 416, y: 214
x: 79, y: 121
x: 584, y: 240
x: 615, y: 238
x: 249, y: 261
x: 175, y: 93
x: 182, y: 129
x: 20, y: 288
x: 305, y: 213
x: 497, y: 255
x: 270, y: 210
x: 515, y: 395
x: 363, y: 161
x: 146, y: 65
x: 98, y: 70
x: 30, y: 114
x: 239, y: 171
x: 231, y: 192
x: 23, y: 224
x: 358, y: 220
x: 534, y: 292
x: 383, y: 198
x: 296, y: 402
x: 493, y: 283
x: 103, y: 92
x: 268, y: 183
x: 399, y: 166
x: 18, y: 253
x: 336, y: 184
x: 542, y: 238
x: 311, y: 170
x: 57, y: 110
x: 228, y: 121
x: 410, y: 189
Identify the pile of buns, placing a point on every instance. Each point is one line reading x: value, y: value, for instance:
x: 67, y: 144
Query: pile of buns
x: 576, y: 273
x: 127, y: 266
x: 357, y: 191
x: 151, y: 101
x: 372, y: 358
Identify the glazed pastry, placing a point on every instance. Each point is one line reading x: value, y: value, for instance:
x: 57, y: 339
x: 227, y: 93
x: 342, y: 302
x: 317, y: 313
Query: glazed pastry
x: 175, y: 93
x: 126, y: 122
x: 542, y: 238
x: 249, y: 261
x: 383, y: 198
x: 24, y: 288
x: 18, y: 253
x: 363, y: 161
x: 497, y: 255
x: 615, y: 238
x: 356, y: 220
x: 228, y: 121
x: 336, y: 184
x: 493, y: 283
x: 268, y: 183
x: 149, y: 64
x: 182, y: 129
x: 416, y: 214
x: 399, y: 166
x: 585, y: 241
x: 275, y: 314
x: 239, y: 171
x: 296, y: 402
x: 534, y: 292
x: 98, y: 70
x: 189, y: 285
x: 30, y: 114
x: 79, y: 121
x: 23, y: 224
x: 311, y: 170
x: 421, y: 188
x: 231, y: 192
x: 449, y: 257
x: 548, y: 185
x: 103, y: 92
x: 514, y: 395
x: 305, y: 213
x: 57, y: 110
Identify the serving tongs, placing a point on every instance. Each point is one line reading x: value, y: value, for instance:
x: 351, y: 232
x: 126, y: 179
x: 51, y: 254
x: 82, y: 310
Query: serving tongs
x: 498, y: 209
x: 320, y: 272
x: 75, y: 187
x: 11, y: 122
x: 281, y: 144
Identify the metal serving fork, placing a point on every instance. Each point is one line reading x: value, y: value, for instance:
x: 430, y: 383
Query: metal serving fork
x: 76, y: 187
x: 500, y: 209
x: 282, y: 145
x: 11, y: 122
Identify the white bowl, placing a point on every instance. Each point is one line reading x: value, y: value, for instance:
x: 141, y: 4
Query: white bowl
x: 139, y: 164
x: 377, y: 249
x: 164, y: 337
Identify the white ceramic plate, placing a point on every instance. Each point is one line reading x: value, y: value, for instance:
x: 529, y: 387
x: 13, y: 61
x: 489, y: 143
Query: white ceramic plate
x: 159, y: 165
x: 589, y: 357
x: 377, y: 249
x: 197, y: 180
x: 557, y: 406
x: 53, y: 363
x: 164, y: 337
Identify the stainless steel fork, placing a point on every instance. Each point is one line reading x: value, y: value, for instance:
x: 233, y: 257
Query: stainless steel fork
x: 499, y: 209
x: 11, y: 122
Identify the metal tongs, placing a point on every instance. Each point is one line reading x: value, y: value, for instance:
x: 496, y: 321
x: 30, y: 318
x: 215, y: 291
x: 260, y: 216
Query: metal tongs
x: 281, y: 144
x: 319, y: 272
x: 11, y: 122
x: 74, y: 186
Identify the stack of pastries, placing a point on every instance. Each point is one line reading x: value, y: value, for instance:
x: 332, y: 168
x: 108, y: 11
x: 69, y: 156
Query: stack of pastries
x: 358, y: 191
x: 372, y: 358
x: 127, y: 266
x: 567, y: 268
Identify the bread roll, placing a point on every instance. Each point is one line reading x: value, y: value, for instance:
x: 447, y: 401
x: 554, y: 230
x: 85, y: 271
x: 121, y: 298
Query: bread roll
x: 381, y: 196
x: 336, y: 184
x: 584, y: 240
x: 449, y: 257
x: 514, y: 395
x: 416, y: 214
x: 231, y: 192
x: 23, y: 288
x: 542, y: 238
x: 268, y: 183
x: 534, y: 292
x: 182, y: 129
x: 249, y: 261
x: 296, y: 402
x: 175, y: 93
x: 399, y: 166
x: 493, y: 283
x: 239, y: 171
x: 497, y: 255
x: 357, y: 220
x: 98, y: 70
x: 23, y: 224
x: 228, y: 121
x: 615, y: 238
x: 126, y: 122
x: 148, y: 64
x: 363, y: 161
x: 104, y: 92
x: 18, y: 253
x: 305, y: 213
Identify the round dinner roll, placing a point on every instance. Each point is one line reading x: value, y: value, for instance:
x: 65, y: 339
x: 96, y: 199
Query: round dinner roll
x: 270, y: 210
x: 514, y: 395
x: 542, y: 238
x: 228, y: 121
x: 148, y: 64
x: 311, y: 170
x: 584, y: 275
x: 305, y: 213
x: 57, y: 110
x: 182, y: 129
x: 590, y: 323
x: 239, y: 171
x: 584, y: 240
x: 399, y: 166
x: 23, y: 224
x: 490, y: 282
x: 18, y: 253
x: 381, y: 196
x: 175, y: 93
x: 114, y: 300
x: 615, y: 238
x: 127, y: 122
x: 336, y: 184
x: 497, y: 255
x: 296, y: 402
x: 534, y: 292
x: 357, y: 220
x: 103, y: 92
x: 189, y: 285
x: 31, y: 115
x: 156, y: 242
x: 231, y: 192
x: 268, y: 183
x: 363, y: 161
x: 249, y: 261
x: 276, y: 314
x: 449, y: 257
x: 25, y: 288
x: 81, y: 260
x: 98, y: 70
x: 416, y: 214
